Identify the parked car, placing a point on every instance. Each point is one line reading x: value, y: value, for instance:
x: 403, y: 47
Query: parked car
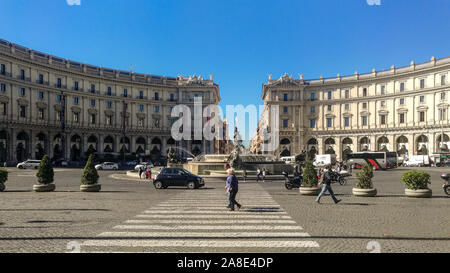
x: 177, y: 177
x: 107, y: 166
x: 29, y: 164
x: 144, y: 165
x: 443, y: 163
x: 417, y: 161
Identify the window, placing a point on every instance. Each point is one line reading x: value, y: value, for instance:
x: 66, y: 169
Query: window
x: 364, y: 120
x: 58, y: 98
x: 22, y: 74
x: 285, y: 123
x: 23, y: 112
x: 3, y: 69
x: 383, y: 89
x: 108, y: 104
x: 92, y: 88
x: 285, y: 109
x: 75, y: 117
x: 141, y: 107
x: 347, y: 94
x: 330, y: 95
x: 347, y: 106
x: 58, y: 115
x: 40, y: 113
x: 108, y: 92
x: 442, y: 95
x: 125, y: 93
x: 141, y: 94
x: 41, y: 95
x: 156, y: 123
x: 75, y: 86
x: 312, y: 123
x: 364, y: 105
x: 364, y: 92
x: 442, y: 114
x: 422, y: 116
x: 172, y: 97
x: 156, y: 96
x: 156, y: 108
x: 383, y: 103
x: 329, y: 122
x: 402, y: 87
x: 92, y: 118
x: 285, y: 96
x: 443, y: 80
x: 3, y: 87
x: 422, y: 83
x: 41, y: 78
x: 108, y: 120
x: 313, y: 96
x: 92, y: 102
x: 22, y: 92
x: 346, y: 121
x: 328, y: 107
x: 313, y: 109
x: 402, y: 101
x: 383, y: 119
x: 58, y: 82
x: 3, y: 108
x: 402, y: 118
x: 422, y: 98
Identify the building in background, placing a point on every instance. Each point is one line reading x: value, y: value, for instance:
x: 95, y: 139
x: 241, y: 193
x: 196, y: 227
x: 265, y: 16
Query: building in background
x: 401, y: 109
x: 68, y: 110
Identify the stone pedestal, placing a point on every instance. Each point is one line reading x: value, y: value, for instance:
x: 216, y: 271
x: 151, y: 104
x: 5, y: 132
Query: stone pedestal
x: 44, y: 187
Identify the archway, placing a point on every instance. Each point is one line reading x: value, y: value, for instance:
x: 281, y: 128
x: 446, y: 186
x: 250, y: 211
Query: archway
x: 329, y: 146
x: 141, y: 145
x: 92, y: 143
x: 75, y: 148
x: 383, y: 144
x: 124, y: 145
x: 442, y: 143
x: 402, y: 146
x: 108, y: 144
x: 422, y: 145
x: 312, y: 147
x: 364, y: 144
x: 347, y: 147
x: 22, y: 146
x: 3, y: 146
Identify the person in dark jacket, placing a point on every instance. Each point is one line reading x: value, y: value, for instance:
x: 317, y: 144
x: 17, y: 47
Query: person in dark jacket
x: 326, y: 186
x: 232, y: 188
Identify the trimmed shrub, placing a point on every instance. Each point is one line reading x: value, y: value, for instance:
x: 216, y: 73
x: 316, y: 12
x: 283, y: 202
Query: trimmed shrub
x: 416, y: 180
x: 45, y: 172
x: 310, y: 175
x: 3, y: 176
x: 90, y: 175
x: 365, y: 178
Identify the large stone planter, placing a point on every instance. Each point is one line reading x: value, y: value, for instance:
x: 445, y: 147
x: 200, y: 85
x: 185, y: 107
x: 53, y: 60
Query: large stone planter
x: 2, y: 187
x: 364, y: 192
x: 309, y: 190
x: 44, y: 187
x: 422, y: 193
x: 91, y: 188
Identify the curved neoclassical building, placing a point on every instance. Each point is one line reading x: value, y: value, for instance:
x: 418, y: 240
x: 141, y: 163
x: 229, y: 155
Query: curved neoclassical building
x: 66, y: 109
x: 402, y: 109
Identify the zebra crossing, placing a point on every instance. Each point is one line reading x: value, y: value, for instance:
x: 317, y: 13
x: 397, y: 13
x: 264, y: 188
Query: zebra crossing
x: 198, y: 221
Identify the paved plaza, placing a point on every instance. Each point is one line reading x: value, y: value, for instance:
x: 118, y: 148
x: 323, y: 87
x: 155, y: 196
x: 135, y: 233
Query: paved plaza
x: 131, y: 216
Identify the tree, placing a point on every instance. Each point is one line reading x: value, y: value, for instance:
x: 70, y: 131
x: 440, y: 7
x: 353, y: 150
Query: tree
x: 90, y: 175
x: 365, y: 178
x: 45, y: 172
x: 309, y: 174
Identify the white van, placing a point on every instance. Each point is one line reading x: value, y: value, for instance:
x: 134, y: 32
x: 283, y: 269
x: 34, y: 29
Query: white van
x: 417, y: 161
x: 324, y: 160
x: 288, y: 159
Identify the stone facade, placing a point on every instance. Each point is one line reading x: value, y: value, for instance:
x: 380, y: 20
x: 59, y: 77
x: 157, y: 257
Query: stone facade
x: 400, y: 109
x: 66, y: 109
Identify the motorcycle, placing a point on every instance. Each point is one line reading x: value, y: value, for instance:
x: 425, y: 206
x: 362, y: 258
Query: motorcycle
x: 292, y: 182
x: 337, y: 177
x: 446, y: 186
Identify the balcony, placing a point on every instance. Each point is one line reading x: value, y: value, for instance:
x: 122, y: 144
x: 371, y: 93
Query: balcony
x: 42, y: 82
x: 60, y: 86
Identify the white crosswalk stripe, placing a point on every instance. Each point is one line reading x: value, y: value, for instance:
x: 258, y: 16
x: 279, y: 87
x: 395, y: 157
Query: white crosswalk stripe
x: 198, y: 221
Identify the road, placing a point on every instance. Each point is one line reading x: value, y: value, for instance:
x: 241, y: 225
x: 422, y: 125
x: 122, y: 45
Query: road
x: 129, y: 215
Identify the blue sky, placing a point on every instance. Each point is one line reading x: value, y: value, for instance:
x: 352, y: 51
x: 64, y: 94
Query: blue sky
x: 239, y: 41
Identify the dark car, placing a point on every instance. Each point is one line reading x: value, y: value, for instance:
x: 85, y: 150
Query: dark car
x: 177, y: 177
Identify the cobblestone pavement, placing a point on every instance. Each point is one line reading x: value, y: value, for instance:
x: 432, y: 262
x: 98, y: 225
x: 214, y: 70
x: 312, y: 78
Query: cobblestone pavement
x: 47, y: 222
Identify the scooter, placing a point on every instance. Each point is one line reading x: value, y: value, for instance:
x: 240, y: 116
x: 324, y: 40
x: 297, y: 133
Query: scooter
x: 446, y: 185
x: 292, y: 182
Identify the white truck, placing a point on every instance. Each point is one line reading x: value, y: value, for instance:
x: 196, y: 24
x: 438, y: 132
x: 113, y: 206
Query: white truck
x: 324, y: 160
x: 417, y: 161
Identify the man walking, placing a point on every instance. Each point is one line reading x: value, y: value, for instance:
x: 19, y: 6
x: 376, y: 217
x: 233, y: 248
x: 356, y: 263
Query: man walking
x: 258, y: 174
x: 232, y: 189
x: 326, y: 185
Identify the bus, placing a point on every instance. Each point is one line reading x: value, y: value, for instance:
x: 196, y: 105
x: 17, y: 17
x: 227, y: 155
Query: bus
x: 378, y: 160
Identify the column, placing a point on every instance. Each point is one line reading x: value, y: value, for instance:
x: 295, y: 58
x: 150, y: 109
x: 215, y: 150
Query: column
x: 50, y: 144
x: 133, y: 144
x: 338, y: 150
x: 100, y: 143
x: 163, y: 146
x: 12, y: 145
x: 31, y: 153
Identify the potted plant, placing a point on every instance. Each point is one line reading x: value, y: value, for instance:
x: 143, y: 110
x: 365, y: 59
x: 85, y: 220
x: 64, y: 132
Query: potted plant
x: 416, y: 183
x: 45, y: 176
x: 3, y: 178
x: 364, y: 186
x: 310, y: 180
x: 89, y: 179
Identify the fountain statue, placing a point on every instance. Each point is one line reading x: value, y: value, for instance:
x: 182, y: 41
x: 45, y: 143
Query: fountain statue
x: 234, y: 159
